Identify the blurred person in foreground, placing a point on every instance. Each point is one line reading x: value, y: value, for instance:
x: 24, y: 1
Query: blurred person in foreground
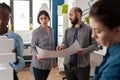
x: 105, y: 23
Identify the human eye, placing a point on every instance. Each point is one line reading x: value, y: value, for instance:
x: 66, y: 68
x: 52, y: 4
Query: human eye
x: 41, y: 18
x: 5, y: 18
x: 98, y: 31
x: 45, y: 18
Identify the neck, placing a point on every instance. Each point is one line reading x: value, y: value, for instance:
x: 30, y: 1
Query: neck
x: 116, y: 41
x: 45, y: 27
x: 78, y: 24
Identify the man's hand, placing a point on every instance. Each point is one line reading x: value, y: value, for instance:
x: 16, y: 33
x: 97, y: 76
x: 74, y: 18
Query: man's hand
x: 81, y: 52
x: 16, y: 53
x: 54, y: 64
x: 59, y: 47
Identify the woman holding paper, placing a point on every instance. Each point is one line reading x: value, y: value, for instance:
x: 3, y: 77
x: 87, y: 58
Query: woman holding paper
x: 42, y: 37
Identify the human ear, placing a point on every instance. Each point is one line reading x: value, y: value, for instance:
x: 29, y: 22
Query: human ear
x: 117, y: 30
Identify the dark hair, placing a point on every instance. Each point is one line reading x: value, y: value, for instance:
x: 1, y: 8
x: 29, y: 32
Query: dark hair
x: 41, y: 13
x: 4, y: 5
x: 107, y: 12
x: 77, y: 9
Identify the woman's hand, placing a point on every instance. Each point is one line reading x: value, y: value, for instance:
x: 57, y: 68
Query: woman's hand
x: 39, y: 58
x: 59, y: 47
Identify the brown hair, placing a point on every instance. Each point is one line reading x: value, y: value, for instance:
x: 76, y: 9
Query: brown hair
x: 107, y: 12
x: 41, y: 13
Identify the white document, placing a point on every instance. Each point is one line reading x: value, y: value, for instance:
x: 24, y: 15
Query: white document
x: 6, y: 72
x: 6, y: 45
x: 7, y: 57
x: 75, y: 47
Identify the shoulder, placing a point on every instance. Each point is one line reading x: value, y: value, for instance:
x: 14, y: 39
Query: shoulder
x: 36, y: 31
x: 113, y: 68
x: 86, y: 26
x: 51, y: 29
x: 68, y: 29
x: 13, y: 34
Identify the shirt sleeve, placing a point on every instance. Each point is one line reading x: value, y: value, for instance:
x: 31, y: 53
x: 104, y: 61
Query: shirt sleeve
x: 93, y: 44
x: 19, y: 45
x: 64, y: 42
x: 34, y: 42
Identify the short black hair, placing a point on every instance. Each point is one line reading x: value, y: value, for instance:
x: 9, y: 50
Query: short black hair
x: 77, y: 9
x: 4, y: 5
x: 41, y: 13
x: 107, y: 12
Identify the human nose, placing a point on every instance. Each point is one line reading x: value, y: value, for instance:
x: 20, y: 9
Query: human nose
x: 0, y: 22
x: 93, y: 34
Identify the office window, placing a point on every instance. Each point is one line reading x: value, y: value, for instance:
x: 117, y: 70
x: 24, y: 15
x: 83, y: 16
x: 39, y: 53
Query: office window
x: 6, y: 1
x: 60, y: 29
x: 21, y: 15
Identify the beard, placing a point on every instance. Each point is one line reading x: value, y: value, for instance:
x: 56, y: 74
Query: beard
x: 3, y: 30
x: 75, y: 21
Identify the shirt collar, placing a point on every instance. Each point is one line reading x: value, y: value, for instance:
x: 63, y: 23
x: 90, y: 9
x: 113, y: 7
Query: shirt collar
x: 80, y: 25
x: 42, y: 28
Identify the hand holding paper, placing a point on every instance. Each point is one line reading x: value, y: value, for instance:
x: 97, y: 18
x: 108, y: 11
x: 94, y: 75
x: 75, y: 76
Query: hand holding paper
x: 81, y: 52
x: 39, y: 58
x: 60, y: 47
x: 74, y: 48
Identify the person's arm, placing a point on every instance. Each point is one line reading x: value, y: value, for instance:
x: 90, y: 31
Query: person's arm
x: 16, y: 54
x: 19, y: 46
x: 64, y: 42
x: 34, y: 43
x: 20, y: 63
x: 91, y: 47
